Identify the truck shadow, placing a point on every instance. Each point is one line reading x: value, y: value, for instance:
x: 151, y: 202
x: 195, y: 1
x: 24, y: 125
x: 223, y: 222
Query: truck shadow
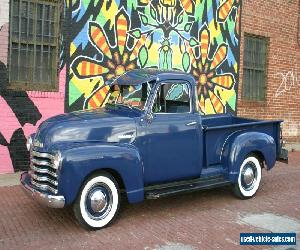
x: 203, y: 200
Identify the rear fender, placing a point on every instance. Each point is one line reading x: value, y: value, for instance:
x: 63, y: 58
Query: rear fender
x: 78, y: 163
x: 239, y: 145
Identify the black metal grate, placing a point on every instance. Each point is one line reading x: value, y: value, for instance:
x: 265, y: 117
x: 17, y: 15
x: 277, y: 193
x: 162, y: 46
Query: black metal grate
x: 254, y: 69
x: 34, y: 43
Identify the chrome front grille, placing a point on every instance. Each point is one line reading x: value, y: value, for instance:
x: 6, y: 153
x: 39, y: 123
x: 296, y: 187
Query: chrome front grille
x: 43, y: 172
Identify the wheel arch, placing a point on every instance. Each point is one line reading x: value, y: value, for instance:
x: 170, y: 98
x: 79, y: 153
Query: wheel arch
x: 239, y: 146
x: 121, y: 161
x: 259, y: 155
x: 114, y: 173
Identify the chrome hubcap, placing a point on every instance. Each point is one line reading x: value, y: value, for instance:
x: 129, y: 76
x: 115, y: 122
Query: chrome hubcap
x: 249, y: 175
x: 98, y: 201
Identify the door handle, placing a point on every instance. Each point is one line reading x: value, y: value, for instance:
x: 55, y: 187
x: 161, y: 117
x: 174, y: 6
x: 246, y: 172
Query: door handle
x: 191, y: 124
x: 126, y: 136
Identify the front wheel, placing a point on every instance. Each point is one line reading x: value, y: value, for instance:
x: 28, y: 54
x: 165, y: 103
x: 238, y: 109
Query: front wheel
x: 98, y: 201
x: 249, y: 178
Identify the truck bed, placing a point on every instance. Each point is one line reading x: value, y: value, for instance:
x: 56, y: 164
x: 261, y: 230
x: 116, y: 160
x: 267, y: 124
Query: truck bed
x: 218, y: 128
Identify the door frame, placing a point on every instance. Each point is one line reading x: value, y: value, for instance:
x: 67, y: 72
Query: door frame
x: 148, y: 110
x: 150, y: 115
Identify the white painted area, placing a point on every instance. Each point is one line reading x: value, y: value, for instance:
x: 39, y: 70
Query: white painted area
x: 271, y: 222
x: 4, y: 29
x: 10, y: 179
x: 4, y: 12
x: 289, y: 81
x: 172, y: 246
x: 297, y: 247
x: 293, y: 146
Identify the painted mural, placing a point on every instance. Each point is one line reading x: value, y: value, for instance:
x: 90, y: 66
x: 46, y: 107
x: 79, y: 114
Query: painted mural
x: 200, y: 37
x: 102, y: 39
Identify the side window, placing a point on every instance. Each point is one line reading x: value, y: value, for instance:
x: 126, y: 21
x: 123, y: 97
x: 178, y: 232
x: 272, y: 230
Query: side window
x: 172, y: 98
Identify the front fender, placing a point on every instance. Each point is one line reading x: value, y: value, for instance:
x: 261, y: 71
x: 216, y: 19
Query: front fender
x: 78, y: 163
x: 238, y: 146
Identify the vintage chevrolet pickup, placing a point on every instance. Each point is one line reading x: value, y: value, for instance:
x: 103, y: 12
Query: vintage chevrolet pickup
x: 149, y: 141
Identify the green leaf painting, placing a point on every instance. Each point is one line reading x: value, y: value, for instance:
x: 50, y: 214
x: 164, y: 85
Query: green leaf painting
x: 144, y: 19
x: 152, y: 12
x: 188, y: 26
x: 193, y: 42
x: 136, y: 33
x: 143, y: 56
x: 186, y: 61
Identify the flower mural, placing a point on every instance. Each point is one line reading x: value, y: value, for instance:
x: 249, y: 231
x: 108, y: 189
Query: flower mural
x: 116, y: 60
x: 226, y: 8
x: 187, y: 5
x: 172, y: 21
x: 198, y: 37
x: 206, y: 74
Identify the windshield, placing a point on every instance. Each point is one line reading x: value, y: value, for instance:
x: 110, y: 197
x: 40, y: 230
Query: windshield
x: 130, y: 95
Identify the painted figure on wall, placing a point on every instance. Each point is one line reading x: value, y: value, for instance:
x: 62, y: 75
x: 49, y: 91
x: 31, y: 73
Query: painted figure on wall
x: 198, y: 37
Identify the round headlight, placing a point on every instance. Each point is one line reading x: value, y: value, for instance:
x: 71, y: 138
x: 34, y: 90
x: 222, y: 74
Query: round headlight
x: 29, y: 143
x: 57, y: 160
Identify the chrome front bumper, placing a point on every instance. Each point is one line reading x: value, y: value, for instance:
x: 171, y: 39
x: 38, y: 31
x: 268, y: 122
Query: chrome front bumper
x: 54, y: 201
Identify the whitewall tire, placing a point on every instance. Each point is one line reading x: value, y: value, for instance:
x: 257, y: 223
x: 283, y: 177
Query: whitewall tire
x: 249, y: 178
x: 98, y: 201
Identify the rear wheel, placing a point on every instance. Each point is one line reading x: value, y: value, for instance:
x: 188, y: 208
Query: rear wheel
x: 249, y: 178
x: 98, y: 201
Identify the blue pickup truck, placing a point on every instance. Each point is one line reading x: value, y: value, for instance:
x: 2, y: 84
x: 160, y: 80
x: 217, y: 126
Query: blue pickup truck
x: 149, y: 141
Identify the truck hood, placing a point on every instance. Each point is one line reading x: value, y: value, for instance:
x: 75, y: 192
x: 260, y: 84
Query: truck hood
x: 113, y: 124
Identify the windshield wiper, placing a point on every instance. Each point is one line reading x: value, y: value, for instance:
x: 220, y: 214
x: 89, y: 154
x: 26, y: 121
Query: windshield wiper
x: 114, y: 105
x: 119, y: 104
x: 110, y: 104
x: 124, y: 105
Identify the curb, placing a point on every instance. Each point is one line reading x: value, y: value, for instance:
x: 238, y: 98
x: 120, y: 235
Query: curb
x: 8, y: 180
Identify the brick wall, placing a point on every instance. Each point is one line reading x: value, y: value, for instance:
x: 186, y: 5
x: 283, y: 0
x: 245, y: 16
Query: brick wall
x: 277, y: 20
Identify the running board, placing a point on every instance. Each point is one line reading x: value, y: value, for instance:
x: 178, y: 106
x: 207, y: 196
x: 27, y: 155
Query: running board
x: 158, y: 191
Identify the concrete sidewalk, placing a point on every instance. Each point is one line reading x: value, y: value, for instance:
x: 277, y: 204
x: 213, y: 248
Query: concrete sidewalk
x: 10, y: 179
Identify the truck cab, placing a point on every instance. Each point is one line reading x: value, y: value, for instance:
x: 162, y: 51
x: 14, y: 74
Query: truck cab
x: 149, y: 141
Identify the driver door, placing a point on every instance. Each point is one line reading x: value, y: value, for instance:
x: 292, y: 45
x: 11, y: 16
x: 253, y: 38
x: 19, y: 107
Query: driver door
x: 173, y: 136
